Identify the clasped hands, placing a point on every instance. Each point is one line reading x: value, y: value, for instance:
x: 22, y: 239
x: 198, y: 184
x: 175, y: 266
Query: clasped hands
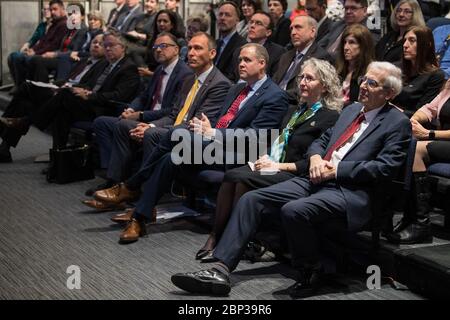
x: 265, y: 163
x: 321, y: 170
x: 419, y: 132
x: 201, y: 126
x: 81, y: 92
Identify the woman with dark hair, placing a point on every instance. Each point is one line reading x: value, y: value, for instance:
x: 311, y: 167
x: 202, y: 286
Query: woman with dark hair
x: 355, y: 54
x: 422, y: 77
x: 320, y: 95
x: 406, y: 14
x: 281, y: 33
x: 165, y: 20
x: 248, y: 8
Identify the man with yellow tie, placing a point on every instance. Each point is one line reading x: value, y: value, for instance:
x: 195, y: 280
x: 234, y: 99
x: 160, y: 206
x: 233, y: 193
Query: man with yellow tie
x: 255, y: 103
x: 202, y: 93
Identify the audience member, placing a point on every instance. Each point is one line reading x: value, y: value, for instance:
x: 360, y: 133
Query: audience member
x: 303, y: 33
x: 356, y: 52
x: 299, y: 10
x: 117, y: 14
x: 320, y: 101
x: 343, y: 163
x: 173, y: 5
x: 317, y: 9
x: 406, y: 14
x: 422, y: 77
x: 248, y: 9
x: 441, y: 36
x: 280, y: 34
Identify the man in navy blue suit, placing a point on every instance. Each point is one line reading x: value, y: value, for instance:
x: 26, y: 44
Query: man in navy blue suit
x: 367, y: 145
x: 155, y: 102
x: 255, y: 103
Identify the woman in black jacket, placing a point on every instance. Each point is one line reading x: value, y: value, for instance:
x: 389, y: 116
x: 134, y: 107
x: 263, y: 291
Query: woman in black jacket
x: 422, y: 77
x: 320, y: 102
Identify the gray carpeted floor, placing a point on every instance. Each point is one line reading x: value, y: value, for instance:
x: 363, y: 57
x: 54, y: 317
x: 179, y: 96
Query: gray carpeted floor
x: 45, y: 229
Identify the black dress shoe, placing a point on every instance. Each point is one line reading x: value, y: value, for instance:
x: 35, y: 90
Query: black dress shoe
x: 209, y: 281
x: 209, y: 258
x: 412, y: 234
x: 307, y: 284
x: 108, y: 184
x: 201, y: 253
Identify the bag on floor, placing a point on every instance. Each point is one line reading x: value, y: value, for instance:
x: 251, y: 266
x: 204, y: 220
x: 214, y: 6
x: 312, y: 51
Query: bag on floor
x: 70, y: 164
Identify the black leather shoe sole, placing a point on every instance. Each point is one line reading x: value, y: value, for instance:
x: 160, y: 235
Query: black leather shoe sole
x: 195, y: 285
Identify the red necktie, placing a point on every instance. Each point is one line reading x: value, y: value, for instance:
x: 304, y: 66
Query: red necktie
x: 157, y: 93
x: 226, y: 119
x: 348, y: 133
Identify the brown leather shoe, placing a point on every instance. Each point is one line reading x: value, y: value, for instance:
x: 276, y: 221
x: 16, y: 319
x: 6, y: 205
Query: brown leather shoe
x: 116, y: 194
x: 133, y: 231
x: 128, y: 214
x: 102, y: 206
x: 123, y: 217
x: 19, y: 124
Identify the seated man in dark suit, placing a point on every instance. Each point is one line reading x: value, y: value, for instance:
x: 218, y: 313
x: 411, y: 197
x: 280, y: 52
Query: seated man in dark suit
x: 367, y: 146
x: 254, y: 104
x: 259, y: 31
x: 117, y: 14
x: 119, y: 81
x: 30, y: 98
x: 318, y: 10
x: 229, y: 40
x: 201, y: 93
x: 154, y: 103
x: 303, y: 33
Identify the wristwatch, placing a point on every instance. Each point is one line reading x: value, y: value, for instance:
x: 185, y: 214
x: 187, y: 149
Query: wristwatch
x: 141, y: 116
x: 431, y: 135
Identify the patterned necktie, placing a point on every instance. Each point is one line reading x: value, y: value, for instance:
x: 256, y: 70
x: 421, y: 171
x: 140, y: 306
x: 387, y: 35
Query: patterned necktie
x: 102, y: 77
x: 348, y: 133
x: 187, y: 103
x: 290, y: 72
x: 157, y: 97
x: 226, y: 119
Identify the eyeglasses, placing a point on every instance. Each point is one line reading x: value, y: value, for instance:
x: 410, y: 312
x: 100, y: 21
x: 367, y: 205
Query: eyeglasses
x: 110, y: 45
x: 405, y: 11
x: 370, y: 82
x: 352, y: 8
x: 163, y: 46
x: 307, y: 78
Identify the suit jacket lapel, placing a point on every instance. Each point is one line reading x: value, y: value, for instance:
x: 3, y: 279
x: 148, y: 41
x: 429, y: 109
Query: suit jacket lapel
x: 340, y: 130
x: 285, y: 66
x: 250, y: 102
x: 226, y: 50
x: 372, y: 126
x: 171, y: 81
x: 201, y: 92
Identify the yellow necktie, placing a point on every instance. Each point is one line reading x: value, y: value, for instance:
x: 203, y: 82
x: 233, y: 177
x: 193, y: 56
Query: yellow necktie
x: 187, y: 103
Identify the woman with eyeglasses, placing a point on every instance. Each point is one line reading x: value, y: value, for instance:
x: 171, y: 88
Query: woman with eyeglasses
x: 248, y: 8
x: 406, y: 14
x: 422, y: 77
x: 318, y: 109
x: 354, y: 55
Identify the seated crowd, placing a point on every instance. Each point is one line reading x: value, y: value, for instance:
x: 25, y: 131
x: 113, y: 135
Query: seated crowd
x: 345, y: 101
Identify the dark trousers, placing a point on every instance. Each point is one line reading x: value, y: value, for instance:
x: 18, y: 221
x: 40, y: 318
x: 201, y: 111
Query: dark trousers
x: 301, y: 207
x: 26, y: 103
x: 18, y: 63
x: 39, y: 68
x: 123, y: 150
x: 61, y: 112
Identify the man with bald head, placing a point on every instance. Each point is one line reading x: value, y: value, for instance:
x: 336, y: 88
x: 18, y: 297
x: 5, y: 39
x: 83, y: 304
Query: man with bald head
x: 303, y: 34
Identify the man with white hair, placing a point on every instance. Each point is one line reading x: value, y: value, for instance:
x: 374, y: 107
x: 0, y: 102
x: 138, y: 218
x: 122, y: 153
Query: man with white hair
x: 367, y: 145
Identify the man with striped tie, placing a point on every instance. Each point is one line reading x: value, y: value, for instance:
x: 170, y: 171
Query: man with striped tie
x: 254, y: 103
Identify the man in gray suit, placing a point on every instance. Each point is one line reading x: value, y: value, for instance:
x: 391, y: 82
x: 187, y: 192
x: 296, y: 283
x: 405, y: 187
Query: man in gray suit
x: 303, y: 34
x: 130, y: 19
